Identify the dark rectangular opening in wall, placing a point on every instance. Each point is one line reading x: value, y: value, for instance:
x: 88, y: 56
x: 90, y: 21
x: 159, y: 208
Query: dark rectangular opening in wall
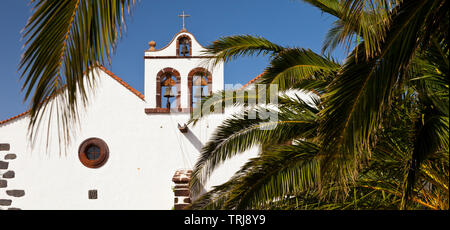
x: 93, y: 194
x: 4, y: 147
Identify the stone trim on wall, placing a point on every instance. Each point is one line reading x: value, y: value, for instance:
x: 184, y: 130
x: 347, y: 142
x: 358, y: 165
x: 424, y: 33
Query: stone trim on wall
x: 160, y: 74
x: 93, y: 194
x: 5, y: 202
x: 4, y: 165
x: 178, y: 109
x: 167, y: 111
x: 7, y: 195
x: 10, y: 156
x: 104, y: 153
x: 181, y: 191
x: 3, y: 183
x: 15, y: 193
x: 190, y: 82
x: 4, y: 147
x: 9, y: 174
x: 178, y: 45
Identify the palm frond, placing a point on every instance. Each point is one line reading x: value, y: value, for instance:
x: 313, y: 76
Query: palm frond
x: 238, y: 134
x: 297, y: 69
x: 280, y: 172
x: 221, y: 100
x: 294, y: 65
x: 275, y: 174
x: 431, y: 85
x: 432, y: 136
x: 335, y: 36
x: 357, y: 21
x: 332, y: 7
x: 370, y: 19
x: 64, y: 39
x: 228, y: 48
x: 364, y: 89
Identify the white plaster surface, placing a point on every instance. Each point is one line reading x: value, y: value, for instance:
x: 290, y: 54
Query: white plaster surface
x: 145, y: 149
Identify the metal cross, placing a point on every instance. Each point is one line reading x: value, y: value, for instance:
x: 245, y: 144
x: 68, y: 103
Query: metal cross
x: 184, y: 16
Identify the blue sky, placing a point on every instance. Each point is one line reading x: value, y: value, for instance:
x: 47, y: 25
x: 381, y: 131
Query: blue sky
x: 286, y: 22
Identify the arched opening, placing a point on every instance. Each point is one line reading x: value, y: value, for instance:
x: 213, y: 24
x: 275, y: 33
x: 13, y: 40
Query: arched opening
x: 168, y: 89
x: 200, y: 85
x: 184, y: 46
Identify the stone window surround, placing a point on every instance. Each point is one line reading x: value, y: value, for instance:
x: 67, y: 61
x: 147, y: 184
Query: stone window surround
x: 177, y: 75
x: 178, y: 45
x: 174, y: 72
x: 190, y: 82
x: 104, y: 153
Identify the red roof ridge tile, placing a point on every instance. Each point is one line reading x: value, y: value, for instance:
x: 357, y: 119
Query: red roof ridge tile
x: 253, y: 80
x: 123, y: 83
x: 14, y: 118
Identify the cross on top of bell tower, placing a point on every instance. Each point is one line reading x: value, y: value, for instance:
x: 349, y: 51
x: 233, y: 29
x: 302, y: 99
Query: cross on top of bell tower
x: 184, y: 16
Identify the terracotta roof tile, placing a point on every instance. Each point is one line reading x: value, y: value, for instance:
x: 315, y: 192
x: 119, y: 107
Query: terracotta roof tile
x: 252, y: 81
x: 15, y: 117
x: 118, y: 79
x: 112, y: 75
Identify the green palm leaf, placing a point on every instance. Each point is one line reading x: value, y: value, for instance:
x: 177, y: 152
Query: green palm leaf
x: 291, y: 66
x: 364, y: 89
x: 290, y: 69
x: 432, y: 129
x: 357, y: 21
x: 333, y: 7
x: 371, y: 28
x: 239, y: 134
x: 228, y: 48
x: 221, y: 100
x: 282, y: 171
x: 64, y: 41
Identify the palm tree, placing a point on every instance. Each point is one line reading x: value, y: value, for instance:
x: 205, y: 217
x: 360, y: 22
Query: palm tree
x: 380, y: 126
x: 65, y: 40
x: 344, y: 144
x: 368, y: 81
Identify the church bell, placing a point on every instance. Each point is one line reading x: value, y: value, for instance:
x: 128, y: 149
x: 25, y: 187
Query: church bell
x: 184, y: 50
x: 198, y: 92
x: 168, y: 94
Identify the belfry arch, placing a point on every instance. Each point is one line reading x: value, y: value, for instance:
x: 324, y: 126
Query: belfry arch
x: 168, y: 82
x: 199, y: 84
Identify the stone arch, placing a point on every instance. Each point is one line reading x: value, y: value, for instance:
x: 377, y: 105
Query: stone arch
x: 192, y: 73
x: 184, y: 36
x: 173, y: 72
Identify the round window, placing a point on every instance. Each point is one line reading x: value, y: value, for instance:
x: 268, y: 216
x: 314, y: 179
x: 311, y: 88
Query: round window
x: 93, y: 153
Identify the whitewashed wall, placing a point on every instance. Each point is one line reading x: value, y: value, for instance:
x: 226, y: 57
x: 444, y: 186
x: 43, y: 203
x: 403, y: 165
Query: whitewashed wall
x: 145, y: 151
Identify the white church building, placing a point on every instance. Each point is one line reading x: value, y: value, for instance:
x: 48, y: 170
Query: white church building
x: 131, y: 150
